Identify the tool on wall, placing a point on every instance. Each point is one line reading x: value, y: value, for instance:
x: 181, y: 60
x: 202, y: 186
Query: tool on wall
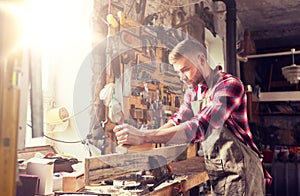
x: 112, y: 97
x: 149, y: 36
x: 97, y: 137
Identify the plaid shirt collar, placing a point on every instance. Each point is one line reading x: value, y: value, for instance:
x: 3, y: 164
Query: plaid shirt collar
x: 209, y: 82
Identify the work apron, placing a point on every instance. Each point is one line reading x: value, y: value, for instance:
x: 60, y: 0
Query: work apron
x: 233, y: 168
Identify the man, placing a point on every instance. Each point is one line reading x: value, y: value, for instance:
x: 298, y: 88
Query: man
x: 214, y: 112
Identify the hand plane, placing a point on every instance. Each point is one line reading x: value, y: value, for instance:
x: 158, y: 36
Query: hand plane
x: 161, y: 171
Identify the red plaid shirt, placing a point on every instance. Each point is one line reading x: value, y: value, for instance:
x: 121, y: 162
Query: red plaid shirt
x: 227, y: 105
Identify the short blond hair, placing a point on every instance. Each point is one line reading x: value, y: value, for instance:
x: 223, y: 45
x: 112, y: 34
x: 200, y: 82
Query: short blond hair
x: 186, y: 48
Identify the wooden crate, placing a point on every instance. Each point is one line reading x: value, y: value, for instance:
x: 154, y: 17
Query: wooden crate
x: 73, y: 182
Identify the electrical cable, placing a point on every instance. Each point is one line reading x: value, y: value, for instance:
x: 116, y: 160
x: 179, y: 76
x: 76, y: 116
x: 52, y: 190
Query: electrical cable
x: 62, y: 141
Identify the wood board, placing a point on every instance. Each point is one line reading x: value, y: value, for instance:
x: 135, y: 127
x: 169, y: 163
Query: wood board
x: 113, y: 165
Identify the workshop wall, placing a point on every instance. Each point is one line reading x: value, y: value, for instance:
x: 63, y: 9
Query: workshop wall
x: 81, y: 48
x: 188, y: 16
x: 67, y: 59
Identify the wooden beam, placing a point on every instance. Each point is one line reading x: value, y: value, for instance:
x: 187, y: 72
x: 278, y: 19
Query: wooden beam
x: 102, y: 167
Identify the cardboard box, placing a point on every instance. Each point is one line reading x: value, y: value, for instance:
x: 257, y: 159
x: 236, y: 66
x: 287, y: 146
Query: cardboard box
x: 73, y: 182
x: 43, y: 168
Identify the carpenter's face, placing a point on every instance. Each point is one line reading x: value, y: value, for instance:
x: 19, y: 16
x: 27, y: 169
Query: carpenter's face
x: 188, y: 72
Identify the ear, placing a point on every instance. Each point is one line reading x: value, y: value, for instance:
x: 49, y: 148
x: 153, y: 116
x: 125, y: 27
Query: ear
x: 201, y: 59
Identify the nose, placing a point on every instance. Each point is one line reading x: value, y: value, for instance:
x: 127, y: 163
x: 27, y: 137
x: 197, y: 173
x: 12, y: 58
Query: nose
x: 182, y: 76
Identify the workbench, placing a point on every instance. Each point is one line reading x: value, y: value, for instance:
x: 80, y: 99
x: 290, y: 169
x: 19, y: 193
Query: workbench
x: 189, y: 173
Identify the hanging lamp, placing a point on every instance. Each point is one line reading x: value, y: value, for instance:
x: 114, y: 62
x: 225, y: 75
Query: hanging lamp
x: 292, y: 72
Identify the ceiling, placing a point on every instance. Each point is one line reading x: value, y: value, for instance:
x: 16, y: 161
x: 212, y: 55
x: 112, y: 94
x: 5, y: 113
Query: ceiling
x: 271, y: 20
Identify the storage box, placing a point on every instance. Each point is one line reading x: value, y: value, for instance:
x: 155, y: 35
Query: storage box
x: 73, y: 182
x: 28, y: 186
x: 43, y: 168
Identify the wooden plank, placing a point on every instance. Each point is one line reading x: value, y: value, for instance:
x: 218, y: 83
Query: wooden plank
x: 29, y: 152
x: 106, y: 174
x: 111, y: 164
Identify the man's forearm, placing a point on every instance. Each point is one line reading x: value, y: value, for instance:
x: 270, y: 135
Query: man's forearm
x: 168, y: 133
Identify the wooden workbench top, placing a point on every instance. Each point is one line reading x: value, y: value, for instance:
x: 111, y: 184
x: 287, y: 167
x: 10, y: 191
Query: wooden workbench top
x: 189, y: 173
x: 189, y: 166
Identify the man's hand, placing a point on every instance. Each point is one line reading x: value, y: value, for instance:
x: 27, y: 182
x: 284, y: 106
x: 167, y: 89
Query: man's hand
x: 127, y: 134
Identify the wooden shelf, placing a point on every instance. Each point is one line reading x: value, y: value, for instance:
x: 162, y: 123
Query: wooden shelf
x: 279, y: 96
x: 279, y: 105
x: 273, y: 104
x: 280, y: 114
